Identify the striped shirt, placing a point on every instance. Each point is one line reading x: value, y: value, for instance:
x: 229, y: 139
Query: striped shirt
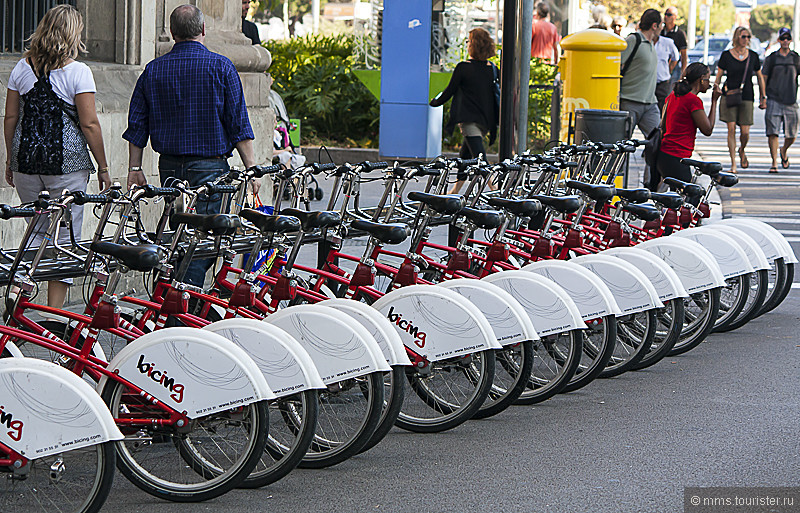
x: 189, y: 102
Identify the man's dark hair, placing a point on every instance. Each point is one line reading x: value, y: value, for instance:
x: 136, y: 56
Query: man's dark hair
x: 649, y: 17
x: 542, y: 9
x: 186, y: 22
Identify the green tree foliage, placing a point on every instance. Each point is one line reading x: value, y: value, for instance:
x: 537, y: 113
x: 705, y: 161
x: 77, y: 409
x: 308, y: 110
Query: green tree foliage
x: 722, y: 12
x: 765, y: 20
x: 313, y: 75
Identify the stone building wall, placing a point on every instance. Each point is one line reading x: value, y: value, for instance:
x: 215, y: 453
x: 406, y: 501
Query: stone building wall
x: 121, y: 37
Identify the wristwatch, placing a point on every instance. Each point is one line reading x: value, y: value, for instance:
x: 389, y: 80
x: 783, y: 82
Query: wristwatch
x: 134, y: 169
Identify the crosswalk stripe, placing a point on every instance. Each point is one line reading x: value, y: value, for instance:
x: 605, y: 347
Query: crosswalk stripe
x: 767, y: 218
x: 771, y: 182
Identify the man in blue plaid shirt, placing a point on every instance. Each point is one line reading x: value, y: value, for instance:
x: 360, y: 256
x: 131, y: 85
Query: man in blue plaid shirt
x: 190, y: 105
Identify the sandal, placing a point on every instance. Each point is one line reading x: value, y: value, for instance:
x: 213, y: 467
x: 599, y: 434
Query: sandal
x: 743, y: 162
x: 784, y: 161
x: 773, y: 169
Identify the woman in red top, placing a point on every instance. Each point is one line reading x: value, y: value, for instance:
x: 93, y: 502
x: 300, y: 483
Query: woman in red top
x: 683, y: 115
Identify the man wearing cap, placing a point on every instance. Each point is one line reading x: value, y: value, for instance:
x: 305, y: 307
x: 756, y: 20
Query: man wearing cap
x: 780, y: 71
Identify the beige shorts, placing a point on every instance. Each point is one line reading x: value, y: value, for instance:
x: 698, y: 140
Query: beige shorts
x: 742, y: 114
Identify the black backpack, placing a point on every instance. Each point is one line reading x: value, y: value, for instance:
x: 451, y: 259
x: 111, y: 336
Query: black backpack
x: 41, y: 143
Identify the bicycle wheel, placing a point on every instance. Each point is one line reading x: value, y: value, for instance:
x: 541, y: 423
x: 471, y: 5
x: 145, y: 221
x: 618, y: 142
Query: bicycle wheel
x: 511, y: 377
x: 214, y: 453
x: 77, y: 481
x: 700, y: 312
x: 635, y: 334
x: 555, y: 360
x: 787, y: 286
x: 447, y: 393
x: 394, y: 391
x: 777, y: 281
x: 291, y: 431
x: 732, y: 299
x: 349, y: 412
x: 669, y: 322
x: 598, y: 346
x: 756, y: 293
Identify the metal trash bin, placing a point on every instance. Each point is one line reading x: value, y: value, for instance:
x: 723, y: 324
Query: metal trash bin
x: 603, y: 126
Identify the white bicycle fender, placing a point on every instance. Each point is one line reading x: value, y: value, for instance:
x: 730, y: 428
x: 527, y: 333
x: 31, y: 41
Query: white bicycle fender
x: 287, y: 367
x: 340, y: 347
x: 730, y: 256
x: 666, y: 282
x: 592, y: 297
x: 191, y: 370
x: 769, y: 244
x: 14, y: 350
x: 549, y: 306
x: 754, y: 253
x: 783, y: 249
x: 694, y: 265
x: 437, y: 323
x: 632, y: 290
x: 46, y: 409
x: 509, y: 321
x: 379, y: 327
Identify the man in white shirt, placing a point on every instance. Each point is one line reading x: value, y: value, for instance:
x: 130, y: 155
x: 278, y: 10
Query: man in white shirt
x: 668, y: 57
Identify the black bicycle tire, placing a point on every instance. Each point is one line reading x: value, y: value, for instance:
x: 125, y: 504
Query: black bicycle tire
x: 741, y: 300
x: 374, y: 387
x: 555, y: 387
x: 641, y: 349
x: 748, y: 313
x: 673, y: 333
x: 704, y: 331
x: 465, y: 412
x: 234, y: 479
x: 579, y: 381
x: 521, y: 380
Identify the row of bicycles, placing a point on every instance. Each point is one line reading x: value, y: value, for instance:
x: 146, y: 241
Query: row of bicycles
x: 551, y: 278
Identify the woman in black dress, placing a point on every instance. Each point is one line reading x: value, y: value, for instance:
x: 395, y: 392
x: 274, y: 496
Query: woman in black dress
x: 474, y: 106
x: 739, y: 65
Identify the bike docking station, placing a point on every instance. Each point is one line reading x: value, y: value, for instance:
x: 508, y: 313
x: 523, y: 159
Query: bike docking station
x: 556, y: 277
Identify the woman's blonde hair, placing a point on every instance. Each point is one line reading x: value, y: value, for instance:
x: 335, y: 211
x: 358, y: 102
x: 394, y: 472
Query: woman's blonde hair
x: 737, y: 39
x: 57, y: 38
x: 481, y: 45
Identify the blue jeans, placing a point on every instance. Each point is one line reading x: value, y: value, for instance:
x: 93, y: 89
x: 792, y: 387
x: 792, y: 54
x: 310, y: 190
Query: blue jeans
x: 196, y: 172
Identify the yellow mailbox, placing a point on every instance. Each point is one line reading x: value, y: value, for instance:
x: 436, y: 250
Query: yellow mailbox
x: 590, y: 72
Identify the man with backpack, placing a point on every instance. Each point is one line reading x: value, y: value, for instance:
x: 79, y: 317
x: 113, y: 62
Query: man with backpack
x: 637, y: 93
x: 780, y: 71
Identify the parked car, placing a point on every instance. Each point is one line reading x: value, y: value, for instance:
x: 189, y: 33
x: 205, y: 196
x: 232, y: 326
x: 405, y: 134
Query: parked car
x: 716, y: 45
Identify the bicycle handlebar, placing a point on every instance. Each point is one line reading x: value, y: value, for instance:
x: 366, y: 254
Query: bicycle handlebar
x: 464, y: 163
x: 7, y: 212
x: 259, y: 171
x: 213, y: 188
x: 81, y: 198
x: 319, y: 168
x: 151, y: 191
x: 368, y: 166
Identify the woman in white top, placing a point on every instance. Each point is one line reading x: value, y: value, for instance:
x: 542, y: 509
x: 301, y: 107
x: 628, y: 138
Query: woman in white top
x: 47, y: 134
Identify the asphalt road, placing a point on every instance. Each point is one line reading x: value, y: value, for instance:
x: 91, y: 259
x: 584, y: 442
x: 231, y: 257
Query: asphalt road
x: 724, y: 414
